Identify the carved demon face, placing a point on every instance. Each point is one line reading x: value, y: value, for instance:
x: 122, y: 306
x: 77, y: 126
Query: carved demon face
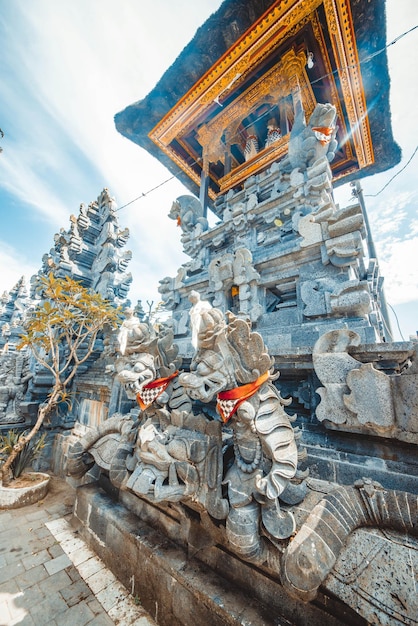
x: 207, y: 378
x: 135, y: 372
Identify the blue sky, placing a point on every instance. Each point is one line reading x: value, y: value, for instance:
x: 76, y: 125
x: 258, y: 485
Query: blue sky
x: 66, y: 68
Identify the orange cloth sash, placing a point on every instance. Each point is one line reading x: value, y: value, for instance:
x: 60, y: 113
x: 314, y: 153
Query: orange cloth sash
x: 229, y: 401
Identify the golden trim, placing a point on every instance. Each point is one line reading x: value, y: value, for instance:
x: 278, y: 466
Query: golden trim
x: 278, y: 23
x: 342, y: 36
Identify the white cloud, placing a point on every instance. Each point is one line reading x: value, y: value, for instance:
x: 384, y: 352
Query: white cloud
x: 14, y: 266
x: 401, y: 283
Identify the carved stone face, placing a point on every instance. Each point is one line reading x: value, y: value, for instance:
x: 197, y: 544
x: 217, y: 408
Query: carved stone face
x: 135, y: 372
x: 203, y: 388
x: 207, y: 379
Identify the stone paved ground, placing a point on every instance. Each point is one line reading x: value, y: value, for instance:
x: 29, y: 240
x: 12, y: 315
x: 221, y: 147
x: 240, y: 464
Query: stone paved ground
x: 49, y: 577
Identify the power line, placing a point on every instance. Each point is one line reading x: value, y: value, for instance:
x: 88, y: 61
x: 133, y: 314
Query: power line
x: 146, y: 193
x: 373, y: 195
x: 334, y: 72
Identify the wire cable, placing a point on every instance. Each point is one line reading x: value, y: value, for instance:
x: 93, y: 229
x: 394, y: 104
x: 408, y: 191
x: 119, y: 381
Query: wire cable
x: 373, y: 195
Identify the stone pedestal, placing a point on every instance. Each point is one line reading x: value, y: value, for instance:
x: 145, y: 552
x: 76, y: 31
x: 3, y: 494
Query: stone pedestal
x: 212, y: 587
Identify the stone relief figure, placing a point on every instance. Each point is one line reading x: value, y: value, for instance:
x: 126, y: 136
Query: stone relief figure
x: 236, y: 271
x: 172, y: 454
x: 14, y: 380
x: 188, y: 212
x: 202, y: 315
x: 232, y: 364
x: 355, y: 396
x: 133, y: 333
x: 169, y: 454
x: 309, y: 142
x: 169, y: 289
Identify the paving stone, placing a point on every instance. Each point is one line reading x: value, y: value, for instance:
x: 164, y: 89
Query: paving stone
x: 101, y: 620
x: 32, y: 526
x: 57, y: 525
x: 90, y: 567
x: 42, y: 532
x: 31, y: 577
x: 35, y: 559
x: 57, y: 564
x: 5, y: 518
x: 94, y: 605
x: 33, y: 595
x: 81, y: 555
x: 8, y: 537
x: 9, y: 586
x: 63, y: 535
x: 50, y: 608
x: 17, y: 555
x: 10, y: 571
x: 72, y: 544
x: 77, y: 615
x: 100, y: 580
x: 55, y: 550
x: 40, y: 544
x: 73, y: 574
x: 55, y: 583
x: 36, y: 515
x: 111, y: 595
x: 75, y: 593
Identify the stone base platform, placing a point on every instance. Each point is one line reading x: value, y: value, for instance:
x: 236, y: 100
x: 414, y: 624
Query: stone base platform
x: 211, y: 587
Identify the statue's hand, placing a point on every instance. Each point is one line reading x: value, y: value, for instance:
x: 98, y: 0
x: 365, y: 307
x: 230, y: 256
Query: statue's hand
x: 261, y: 485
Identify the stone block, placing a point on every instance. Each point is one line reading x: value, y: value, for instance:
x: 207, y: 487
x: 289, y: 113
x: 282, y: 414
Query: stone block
x: 182, y: 591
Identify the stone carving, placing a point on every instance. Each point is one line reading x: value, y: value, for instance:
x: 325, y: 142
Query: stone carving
x: 234, y: 274
x: 172, y: 454
x: 309, y: 142
x: 240, y: 479
x: 350, y: 298
x: 312, y: 554
x: 322, y: 297
x: 342, y: 234
x: 14, y: 380
x: 169, y: 289
x: 265, y: 451
x: 312, y: 293
x: 355, y: 395
x: 188, y: 212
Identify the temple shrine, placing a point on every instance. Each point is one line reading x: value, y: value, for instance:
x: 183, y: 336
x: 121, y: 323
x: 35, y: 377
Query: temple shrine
x: 252, y: 459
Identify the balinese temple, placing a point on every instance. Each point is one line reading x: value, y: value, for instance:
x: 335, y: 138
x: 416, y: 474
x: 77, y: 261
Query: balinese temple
x: 269, y: 108
x: 222, y: 119
x: 240, y: 81
x: 252, y: 460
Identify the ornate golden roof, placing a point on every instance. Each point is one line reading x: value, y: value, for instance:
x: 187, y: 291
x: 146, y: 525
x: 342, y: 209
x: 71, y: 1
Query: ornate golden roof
x: 258, y: 81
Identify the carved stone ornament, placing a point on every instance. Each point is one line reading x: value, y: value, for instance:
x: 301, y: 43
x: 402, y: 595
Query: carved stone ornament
x: 355, y: 396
